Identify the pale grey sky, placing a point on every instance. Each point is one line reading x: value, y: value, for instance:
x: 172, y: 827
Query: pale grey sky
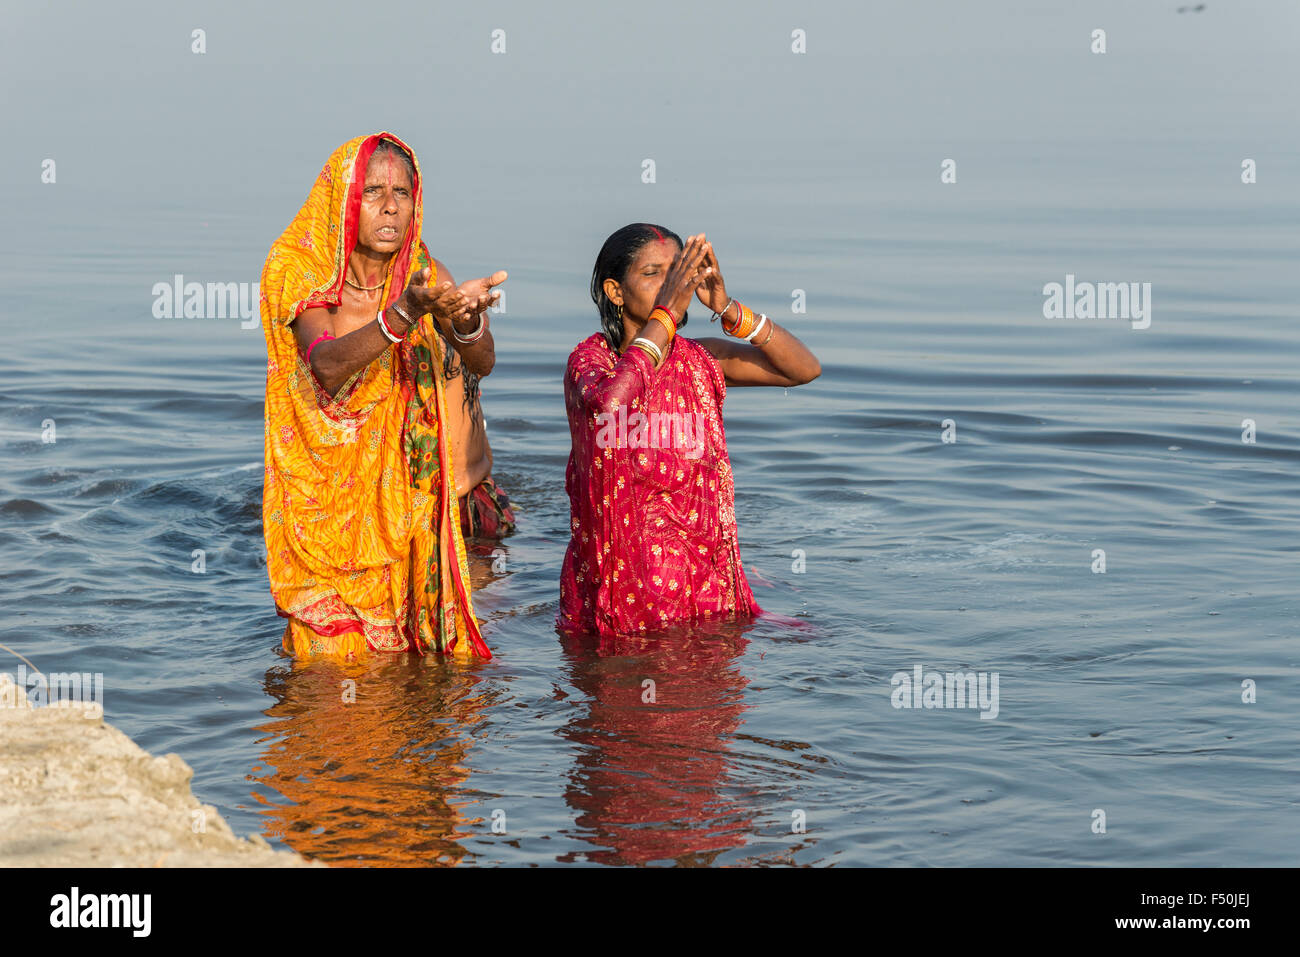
x: 711, y: 86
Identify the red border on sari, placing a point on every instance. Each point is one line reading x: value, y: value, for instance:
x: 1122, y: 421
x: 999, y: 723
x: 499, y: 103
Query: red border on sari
x: 351, y: 224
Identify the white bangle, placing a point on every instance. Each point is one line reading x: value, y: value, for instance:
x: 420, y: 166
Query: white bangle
x: 474, y: 336
x: 762, y: 321
x: 658, y: 353
x: 383, y: 327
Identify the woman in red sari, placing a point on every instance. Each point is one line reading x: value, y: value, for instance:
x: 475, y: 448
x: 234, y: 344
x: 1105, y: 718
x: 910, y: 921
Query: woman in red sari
x: 651, y: 496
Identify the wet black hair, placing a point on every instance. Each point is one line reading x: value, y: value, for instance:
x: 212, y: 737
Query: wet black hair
x: 452, y: 366
x: 615, y: 258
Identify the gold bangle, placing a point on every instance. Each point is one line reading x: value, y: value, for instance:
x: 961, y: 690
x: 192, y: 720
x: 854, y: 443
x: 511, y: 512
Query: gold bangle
x: 770, y: 333
x: 646, y: 352
x: 650, y: 349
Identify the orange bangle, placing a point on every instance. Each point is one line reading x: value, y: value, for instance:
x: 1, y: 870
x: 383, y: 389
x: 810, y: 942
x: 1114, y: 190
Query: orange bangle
x: 664, y: 318
x: 745, y: 322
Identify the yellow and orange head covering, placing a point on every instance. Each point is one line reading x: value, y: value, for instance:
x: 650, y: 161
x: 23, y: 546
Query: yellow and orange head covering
x: 363, y: 540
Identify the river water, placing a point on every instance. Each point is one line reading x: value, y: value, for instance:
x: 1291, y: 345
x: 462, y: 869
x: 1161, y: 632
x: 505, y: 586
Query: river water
x: 1125, y: 691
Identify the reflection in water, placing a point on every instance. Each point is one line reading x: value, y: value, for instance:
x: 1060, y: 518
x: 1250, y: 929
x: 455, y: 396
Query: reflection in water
x: 650, y: 779
x: 370, y: 782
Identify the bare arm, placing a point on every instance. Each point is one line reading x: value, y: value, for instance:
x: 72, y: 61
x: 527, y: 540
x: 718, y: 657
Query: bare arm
x: 777, y: 357
x: 781, y: 360
x: 478, y: 357
x: 335, y: 361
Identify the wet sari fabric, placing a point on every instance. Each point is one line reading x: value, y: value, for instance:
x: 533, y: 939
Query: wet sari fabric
x: 651, y: 495
x: 363, y: 542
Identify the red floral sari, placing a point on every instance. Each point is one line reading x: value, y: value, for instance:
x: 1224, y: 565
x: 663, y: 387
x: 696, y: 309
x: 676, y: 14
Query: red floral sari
x: 651, y: 496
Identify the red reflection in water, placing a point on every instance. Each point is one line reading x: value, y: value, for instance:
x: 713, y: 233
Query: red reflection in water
x: 650, y: 777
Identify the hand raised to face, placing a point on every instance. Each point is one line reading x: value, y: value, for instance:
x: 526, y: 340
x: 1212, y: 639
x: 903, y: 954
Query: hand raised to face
x: 712, y: 291
x: 684, y: 276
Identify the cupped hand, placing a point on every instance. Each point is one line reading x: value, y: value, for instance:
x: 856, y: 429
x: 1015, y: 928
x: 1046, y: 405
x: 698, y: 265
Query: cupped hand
x: 445, y: 302
x: 479, y: 293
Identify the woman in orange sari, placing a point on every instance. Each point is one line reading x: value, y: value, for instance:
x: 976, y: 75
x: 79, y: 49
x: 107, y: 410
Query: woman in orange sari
x: 363, y: 543
x: 651, y: 495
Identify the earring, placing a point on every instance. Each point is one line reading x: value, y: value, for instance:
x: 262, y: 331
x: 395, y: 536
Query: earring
x: 620, y: 312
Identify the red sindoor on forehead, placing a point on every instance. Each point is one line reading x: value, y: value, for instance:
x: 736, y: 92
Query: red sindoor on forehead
x: 662, y: 237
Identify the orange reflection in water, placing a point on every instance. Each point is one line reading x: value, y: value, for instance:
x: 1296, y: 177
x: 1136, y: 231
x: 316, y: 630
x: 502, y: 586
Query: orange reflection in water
x: 650, y: 779
x: 370, y: 782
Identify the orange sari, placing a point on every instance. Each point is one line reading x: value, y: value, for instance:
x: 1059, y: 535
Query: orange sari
x: 363, y: 541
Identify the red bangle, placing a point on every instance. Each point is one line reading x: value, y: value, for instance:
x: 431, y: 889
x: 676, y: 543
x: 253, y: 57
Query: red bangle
x: 389, y: 334
x: 307, y: 357
x: 671, y: 315
x: 661, y: 315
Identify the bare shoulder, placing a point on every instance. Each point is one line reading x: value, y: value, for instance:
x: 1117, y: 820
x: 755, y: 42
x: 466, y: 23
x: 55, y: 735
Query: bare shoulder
x: 441, y: 273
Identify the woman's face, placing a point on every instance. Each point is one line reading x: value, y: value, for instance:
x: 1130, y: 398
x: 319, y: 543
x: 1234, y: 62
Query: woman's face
x: 640, y: 287
x: 387, y: 205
